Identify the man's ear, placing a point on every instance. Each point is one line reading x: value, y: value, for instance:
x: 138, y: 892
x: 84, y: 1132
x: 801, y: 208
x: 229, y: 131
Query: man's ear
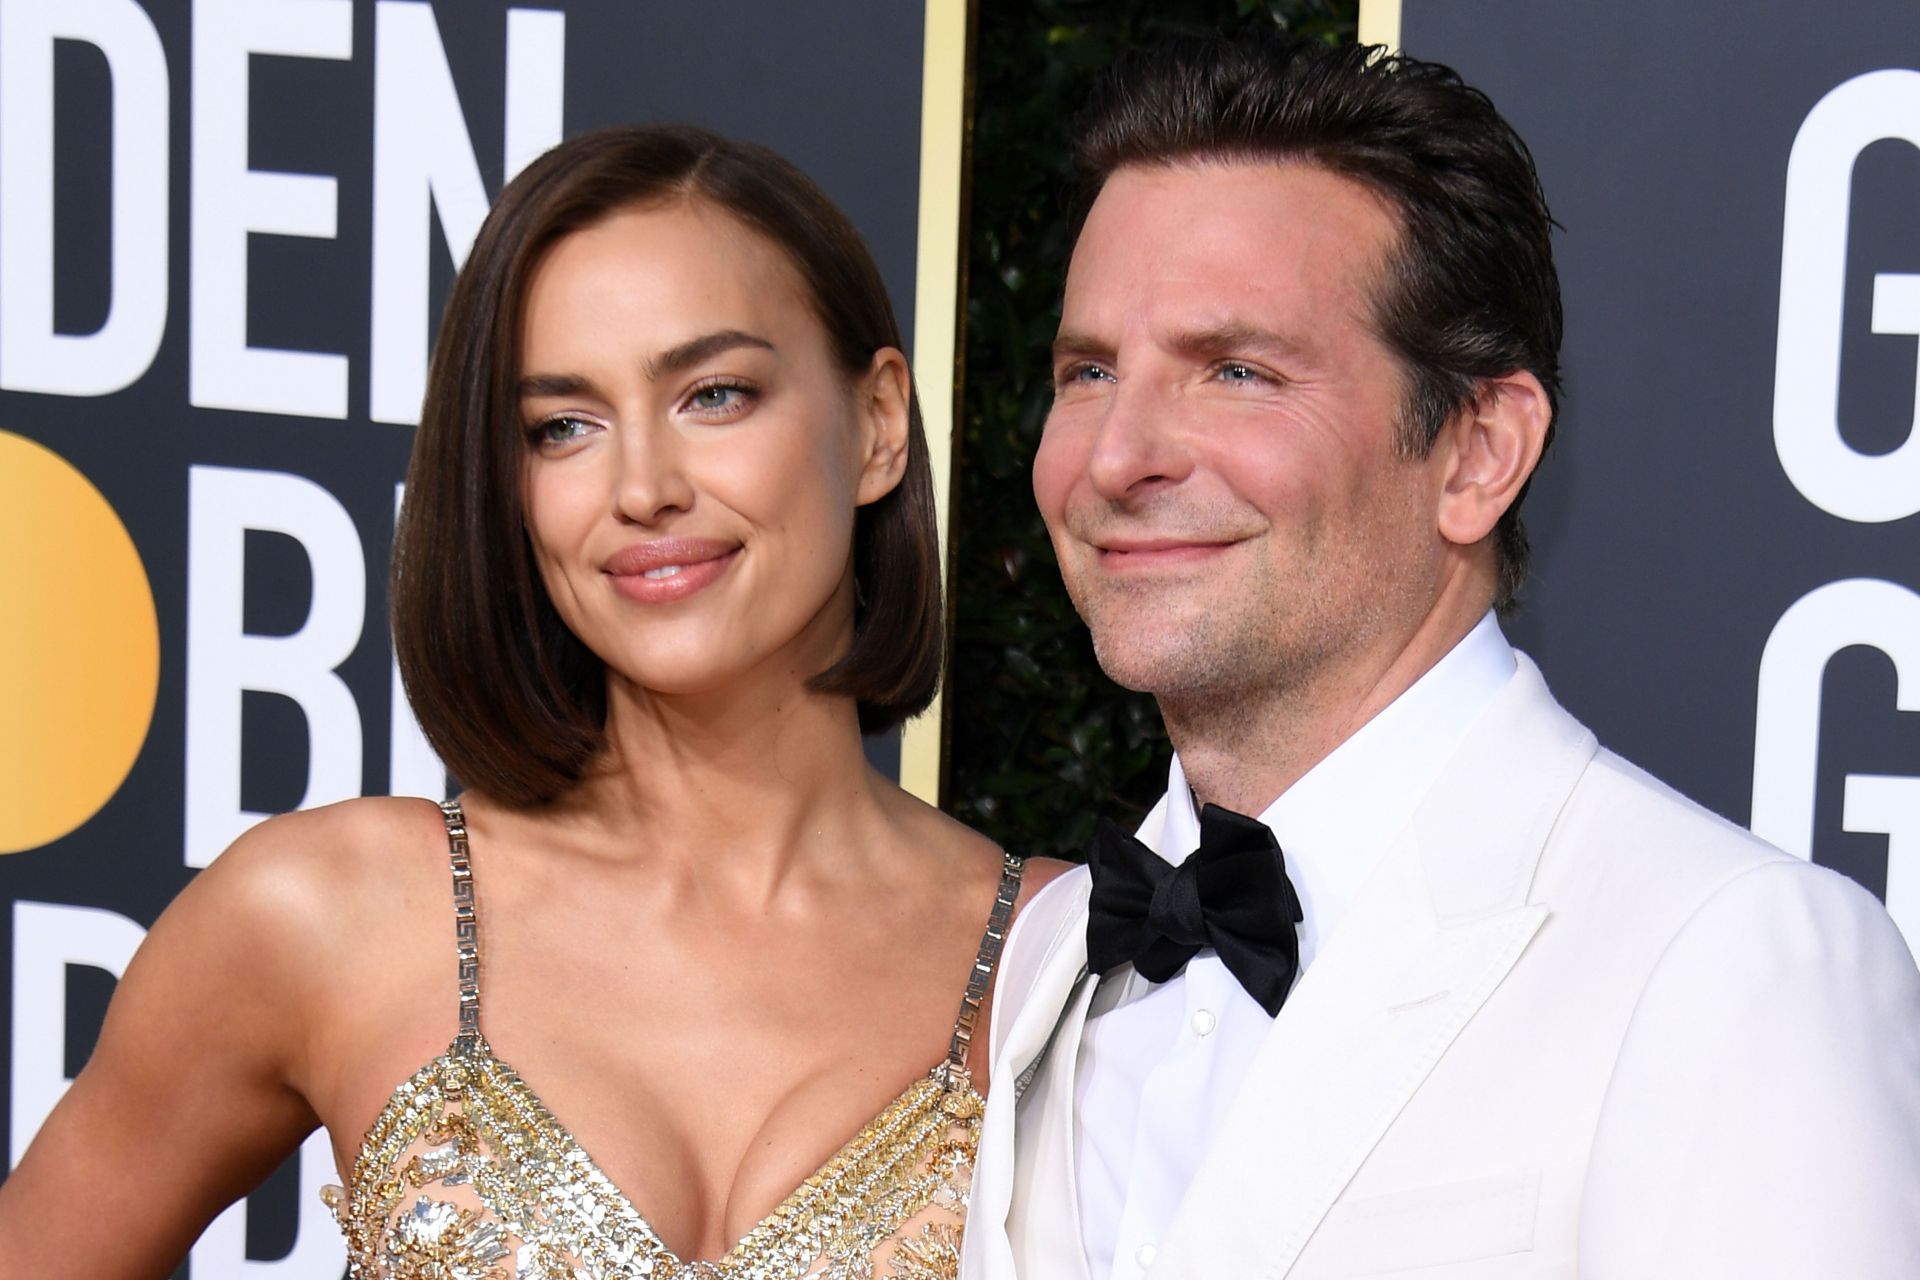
x: 882, y: 397
x: 1491, y: 450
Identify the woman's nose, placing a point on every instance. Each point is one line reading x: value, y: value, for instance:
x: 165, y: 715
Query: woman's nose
x: 651, y: 480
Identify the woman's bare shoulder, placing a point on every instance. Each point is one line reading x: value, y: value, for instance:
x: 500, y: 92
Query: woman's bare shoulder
x: 986, y: 861
x: 941, y: 830
x: 317, y: 875
x: 367, y: 827
x: 337, y: 844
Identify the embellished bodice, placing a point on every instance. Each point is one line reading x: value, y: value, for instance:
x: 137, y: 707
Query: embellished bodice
x: 465, y: 1175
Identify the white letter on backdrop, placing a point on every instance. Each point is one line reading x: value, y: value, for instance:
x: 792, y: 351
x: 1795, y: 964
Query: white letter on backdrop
x: 32, y: 356
x: 1786, y: 739
x: 230, y: 201
x: 1878, y: 803
x: 1829, y: 472
x: 423, y: 162
x: 223, y: 660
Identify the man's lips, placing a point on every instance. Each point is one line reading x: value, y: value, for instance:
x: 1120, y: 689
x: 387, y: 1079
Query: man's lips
x: 662, y: 570
x: 1123, y: 554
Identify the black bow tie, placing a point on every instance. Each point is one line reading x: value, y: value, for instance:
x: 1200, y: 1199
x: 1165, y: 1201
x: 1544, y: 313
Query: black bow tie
x: 1232, y: 895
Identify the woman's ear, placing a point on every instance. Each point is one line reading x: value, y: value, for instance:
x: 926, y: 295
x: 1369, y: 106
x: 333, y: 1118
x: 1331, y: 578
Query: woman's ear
x: 1490, y: 452
x: 883, y: 396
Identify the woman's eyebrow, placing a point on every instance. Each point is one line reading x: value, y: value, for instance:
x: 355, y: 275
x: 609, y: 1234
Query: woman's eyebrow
x: 537, y: 385
x: 672, y: 360
x: 694, y: 350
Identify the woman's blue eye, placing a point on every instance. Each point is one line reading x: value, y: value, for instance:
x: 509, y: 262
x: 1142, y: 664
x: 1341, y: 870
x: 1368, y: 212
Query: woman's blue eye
x: 559, y: 429
x: 721, y: 399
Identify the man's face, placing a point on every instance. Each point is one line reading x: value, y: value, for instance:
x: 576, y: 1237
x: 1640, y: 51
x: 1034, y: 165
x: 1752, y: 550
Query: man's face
x: 1218, y: 472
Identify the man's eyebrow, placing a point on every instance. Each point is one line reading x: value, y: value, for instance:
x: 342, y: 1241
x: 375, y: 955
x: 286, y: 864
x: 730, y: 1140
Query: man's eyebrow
x: 1070, y: 342
x: 1209, y: 342
x: 1229, y: 339
x: 705, y: 347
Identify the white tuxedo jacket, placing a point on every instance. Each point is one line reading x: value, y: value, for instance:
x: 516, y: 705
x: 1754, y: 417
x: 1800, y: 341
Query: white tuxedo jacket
x: 1573, y: 1026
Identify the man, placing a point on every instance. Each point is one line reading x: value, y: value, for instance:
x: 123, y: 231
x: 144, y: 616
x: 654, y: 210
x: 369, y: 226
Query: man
x: 1549, y: 1018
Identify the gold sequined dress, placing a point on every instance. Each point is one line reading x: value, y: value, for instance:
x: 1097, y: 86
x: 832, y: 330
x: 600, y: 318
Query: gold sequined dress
x: 465, y: 1175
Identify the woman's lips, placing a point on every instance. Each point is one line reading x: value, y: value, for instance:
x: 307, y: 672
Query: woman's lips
x: 668, y: 569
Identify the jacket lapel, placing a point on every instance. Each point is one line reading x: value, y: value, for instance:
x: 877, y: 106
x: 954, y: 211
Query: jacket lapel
x: 1029, y: 1117
x: 1049, y: 1002
x: 1442, y: 920
x: 1043, y: 1222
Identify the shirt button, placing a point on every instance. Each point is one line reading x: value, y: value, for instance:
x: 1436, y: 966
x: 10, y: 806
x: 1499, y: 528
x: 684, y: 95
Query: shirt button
x: 1145, y: 1255
x: 1203, y: 1022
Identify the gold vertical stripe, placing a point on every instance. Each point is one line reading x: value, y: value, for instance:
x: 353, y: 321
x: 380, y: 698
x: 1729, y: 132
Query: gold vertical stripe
x: 935, y: 315
x: 1380, y: 22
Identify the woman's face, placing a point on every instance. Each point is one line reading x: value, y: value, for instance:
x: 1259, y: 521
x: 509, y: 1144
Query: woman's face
x: 694, y: 454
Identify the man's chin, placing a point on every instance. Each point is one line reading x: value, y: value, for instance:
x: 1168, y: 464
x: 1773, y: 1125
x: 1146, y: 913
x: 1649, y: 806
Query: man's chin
x: 1162, y: 660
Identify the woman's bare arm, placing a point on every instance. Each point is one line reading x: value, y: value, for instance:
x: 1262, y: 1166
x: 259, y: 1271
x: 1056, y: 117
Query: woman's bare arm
x: 190, y: 1098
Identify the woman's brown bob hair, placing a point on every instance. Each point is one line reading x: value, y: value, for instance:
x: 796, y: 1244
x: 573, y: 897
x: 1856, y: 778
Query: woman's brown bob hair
x: 512, y: 701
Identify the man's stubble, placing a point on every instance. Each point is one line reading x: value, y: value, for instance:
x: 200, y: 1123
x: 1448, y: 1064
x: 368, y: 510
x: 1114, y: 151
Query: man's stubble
x: 1288, y: 636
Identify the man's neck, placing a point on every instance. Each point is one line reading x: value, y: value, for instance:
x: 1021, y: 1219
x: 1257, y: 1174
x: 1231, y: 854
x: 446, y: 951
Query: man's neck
x: 1244, y: 747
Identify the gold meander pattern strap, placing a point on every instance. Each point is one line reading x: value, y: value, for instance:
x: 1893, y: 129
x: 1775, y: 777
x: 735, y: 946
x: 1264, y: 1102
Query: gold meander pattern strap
x: 982, y: 975
x: 466, y: 929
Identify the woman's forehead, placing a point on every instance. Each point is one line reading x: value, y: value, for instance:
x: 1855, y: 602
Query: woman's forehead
x: 657, y: 276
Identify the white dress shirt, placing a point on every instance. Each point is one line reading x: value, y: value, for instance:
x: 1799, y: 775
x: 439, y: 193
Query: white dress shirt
x: 1159, y: 1065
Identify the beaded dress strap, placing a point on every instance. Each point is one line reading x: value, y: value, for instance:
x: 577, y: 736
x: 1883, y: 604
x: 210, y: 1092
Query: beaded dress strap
x: 466, y: 929
x: 982, y: 975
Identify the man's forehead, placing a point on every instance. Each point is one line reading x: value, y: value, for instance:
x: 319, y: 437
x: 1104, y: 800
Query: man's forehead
x: 1160, y: 218
x: 1204, y: 250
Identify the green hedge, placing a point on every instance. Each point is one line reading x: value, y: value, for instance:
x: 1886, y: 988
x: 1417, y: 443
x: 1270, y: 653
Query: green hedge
x: 1042, y: 743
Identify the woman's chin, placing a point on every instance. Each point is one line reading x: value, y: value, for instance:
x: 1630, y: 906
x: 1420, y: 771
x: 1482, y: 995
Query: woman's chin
x: 706, y: 682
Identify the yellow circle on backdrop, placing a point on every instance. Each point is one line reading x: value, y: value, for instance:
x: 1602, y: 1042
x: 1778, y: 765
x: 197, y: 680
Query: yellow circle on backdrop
x: 79, y: 647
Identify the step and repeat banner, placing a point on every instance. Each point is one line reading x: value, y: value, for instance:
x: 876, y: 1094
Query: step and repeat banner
x: 226, y: 230
x: 1727, y: 531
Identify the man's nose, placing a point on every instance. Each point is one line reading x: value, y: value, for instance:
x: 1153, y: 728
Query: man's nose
x: 1140, y: 443
x: 650, y: 479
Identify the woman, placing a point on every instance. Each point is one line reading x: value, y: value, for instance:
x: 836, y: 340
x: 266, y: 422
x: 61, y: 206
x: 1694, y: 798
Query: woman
x: 667, y: 549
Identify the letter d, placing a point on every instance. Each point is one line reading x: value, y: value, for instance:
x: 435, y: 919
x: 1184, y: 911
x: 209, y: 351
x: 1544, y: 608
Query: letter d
x: 32, y: 356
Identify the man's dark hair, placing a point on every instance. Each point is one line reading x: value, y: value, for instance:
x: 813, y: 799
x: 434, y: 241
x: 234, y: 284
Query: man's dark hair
x: 511, y: 699
x: 1469, y: 290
